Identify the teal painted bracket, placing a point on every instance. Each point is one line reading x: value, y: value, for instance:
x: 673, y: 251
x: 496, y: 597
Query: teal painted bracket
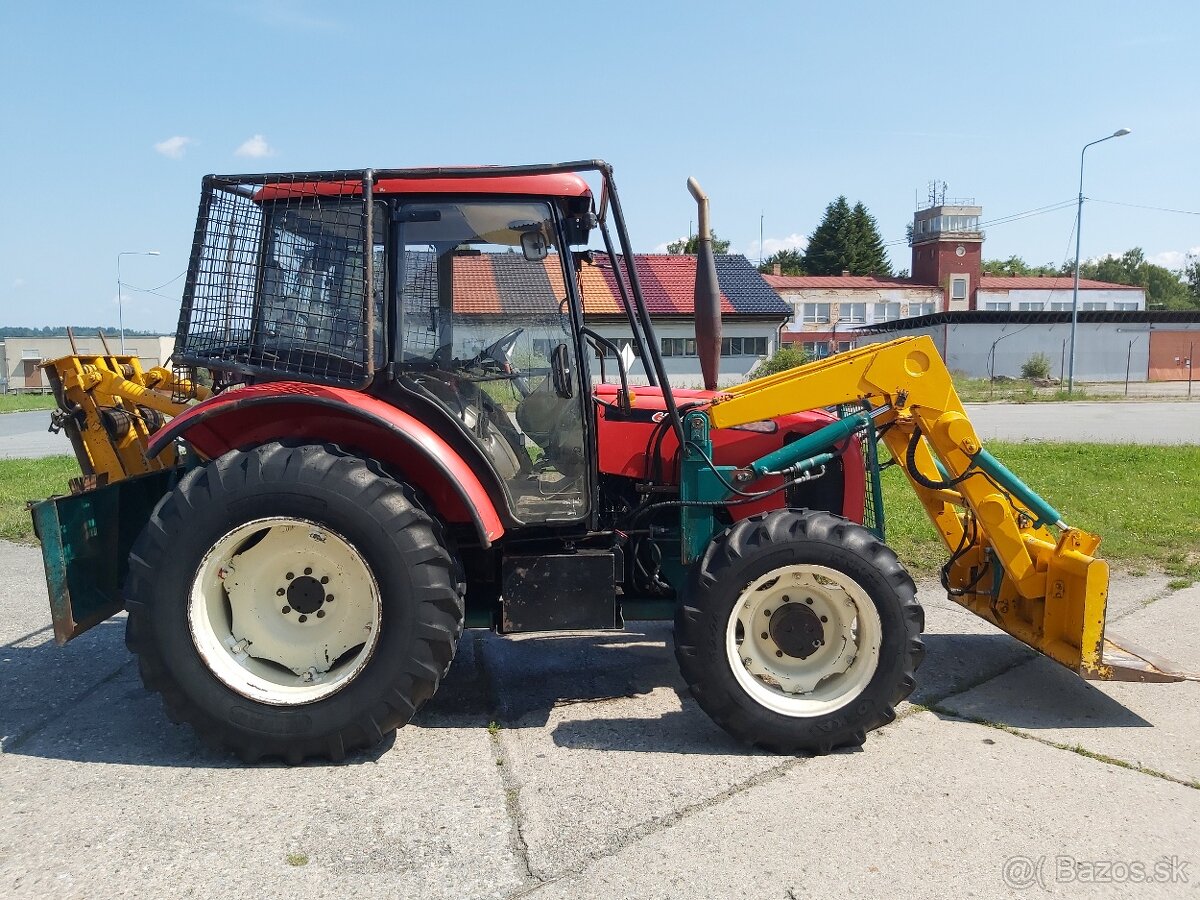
x: 698, y: 483
x: 86, y: 539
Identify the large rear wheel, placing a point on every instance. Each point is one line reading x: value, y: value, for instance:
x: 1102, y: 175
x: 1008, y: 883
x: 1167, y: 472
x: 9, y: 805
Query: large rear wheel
x: 293, y: 602
x: 799, y: 631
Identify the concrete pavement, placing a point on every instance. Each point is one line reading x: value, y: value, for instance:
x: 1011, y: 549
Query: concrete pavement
x: 606, y: 780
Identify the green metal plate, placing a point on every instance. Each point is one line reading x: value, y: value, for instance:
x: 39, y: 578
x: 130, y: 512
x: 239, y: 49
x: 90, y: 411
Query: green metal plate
x: 86, y: 539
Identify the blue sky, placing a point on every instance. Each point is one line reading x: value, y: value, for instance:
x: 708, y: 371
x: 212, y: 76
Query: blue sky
x: 113, y: 112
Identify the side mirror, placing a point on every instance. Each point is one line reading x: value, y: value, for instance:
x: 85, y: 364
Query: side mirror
x: 560, y: 372
x: 534, y: 246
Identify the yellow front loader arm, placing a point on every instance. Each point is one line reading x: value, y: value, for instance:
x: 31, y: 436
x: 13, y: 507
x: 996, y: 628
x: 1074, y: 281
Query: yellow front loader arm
x: 1014, y: 561
x: 109, y: 406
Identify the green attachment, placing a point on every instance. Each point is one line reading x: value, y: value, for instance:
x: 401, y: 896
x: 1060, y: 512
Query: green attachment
x: 1046, y: 514
x: 702, y: 483
x: 820, y: 440
x: 86, y: 539
x: 698, y: 484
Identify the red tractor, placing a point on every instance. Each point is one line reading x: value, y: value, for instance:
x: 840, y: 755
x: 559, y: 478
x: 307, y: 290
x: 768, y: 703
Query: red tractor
x: 380, y: 465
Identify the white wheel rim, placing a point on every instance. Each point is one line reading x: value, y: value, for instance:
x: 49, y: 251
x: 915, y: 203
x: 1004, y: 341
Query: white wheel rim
x: 284, y: 611
x: 835, y: 672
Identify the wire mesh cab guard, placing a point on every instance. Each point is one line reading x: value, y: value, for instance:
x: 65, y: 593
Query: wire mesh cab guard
x: 277, y: 281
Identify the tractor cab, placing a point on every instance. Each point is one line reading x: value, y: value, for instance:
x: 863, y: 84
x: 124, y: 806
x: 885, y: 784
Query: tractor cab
x: 472, y: 322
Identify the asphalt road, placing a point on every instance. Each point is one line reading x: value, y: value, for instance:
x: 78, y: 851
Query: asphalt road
x: 606, y: 780
x: 24, y: 434
x: 1117, y: 422
x: 1106, y: 422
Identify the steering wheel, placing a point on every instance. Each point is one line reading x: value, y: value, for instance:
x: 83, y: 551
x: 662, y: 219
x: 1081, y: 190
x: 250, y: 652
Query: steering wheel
x: 499, y: 353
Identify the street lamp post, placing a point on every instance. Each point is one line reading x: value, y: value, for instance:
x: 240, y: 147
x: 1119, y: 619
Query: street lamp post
x: 120, y: 299
x: 1120, y: 132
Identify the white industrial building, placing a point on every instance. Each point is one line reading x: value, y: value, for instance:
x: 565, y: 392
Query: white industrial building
x: 21, y: 357
x: 1109, y: 345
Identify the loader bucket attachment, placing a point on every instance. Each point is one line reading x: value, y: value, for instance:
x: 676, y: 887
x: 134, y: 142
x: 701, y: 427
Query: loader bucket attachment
x: 86, y: 539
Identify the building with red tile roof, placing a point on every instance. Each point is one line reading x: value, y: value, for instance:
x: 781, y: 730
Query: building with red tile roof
x: 488, y: 286
x: 947, y: 276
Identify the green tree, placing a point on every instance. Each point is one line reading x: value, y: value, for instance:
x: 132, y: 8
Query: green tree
x: 692, y: 243
x: 1014, y: 265
x: 846, y: 240
x: 1191, y: 276
x: 870, y: 256
x: 780, y: 361
x: 790, y: 262
x: 1164, y: 288
x: 826, y: 253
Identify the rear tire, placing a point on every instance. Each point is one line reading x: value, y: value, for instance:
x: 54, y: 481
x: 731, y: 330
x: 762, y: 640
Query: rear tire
x: 292, y: 602
x: 799, y: 631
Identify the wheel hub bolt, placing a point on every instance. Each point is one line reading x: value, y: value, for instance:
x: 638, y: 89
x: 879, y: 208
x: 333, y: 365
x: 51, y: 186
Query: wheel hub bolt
x: 286, y: 610
x: 765, y: 636
x: 320, y: 613
x: 329, y: 598
x: 324, y: 579
x: 280, y: 592
x: 779, y: 653
x: 304, y: 618
x: 290, y: 576
x: 308, y: 571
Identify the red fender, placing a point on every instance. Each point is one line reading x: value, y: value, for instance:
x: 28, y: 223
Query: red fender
x: 289, y: 410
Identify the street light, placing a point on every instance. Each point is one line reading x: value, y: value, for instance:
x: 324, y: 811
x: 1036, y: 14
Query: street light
x: 1120, y: 132
x: 120, y: 303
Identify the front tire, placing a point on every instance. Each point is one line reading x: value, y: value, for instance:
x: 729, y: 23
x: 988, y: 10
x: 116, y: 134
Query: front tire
x: 799, y: 631
x: 292, y: 602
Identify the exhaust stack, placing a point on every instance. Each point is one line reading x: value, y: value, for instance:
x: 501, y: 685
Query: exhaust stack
x: 708, y: 295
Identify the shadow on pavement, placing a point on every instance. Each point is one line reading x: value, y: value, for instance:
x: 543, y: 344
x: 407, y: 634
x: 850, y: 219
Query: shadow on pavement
x: 1042, y: 695
x: 85, y: 702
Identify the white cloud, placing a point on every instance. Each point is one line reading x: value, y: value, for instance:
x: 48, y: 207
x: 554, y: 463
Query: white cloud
x: 771, y: 246
x: 173, y: 147
x: 255, y: 148
x: 1172, y: 259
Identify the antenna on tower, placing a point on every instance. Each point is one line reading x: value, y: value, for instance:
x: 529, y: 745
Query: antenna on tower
x: 937, y: 193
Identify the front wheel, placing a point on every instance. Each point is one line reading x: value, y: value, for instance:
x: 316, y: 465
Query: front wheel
x: 799, y: 631
x: 293, y: 602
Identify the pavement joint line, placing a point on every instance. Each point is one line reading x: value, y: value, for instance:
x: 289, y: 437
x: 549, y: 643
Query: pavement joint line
x: 512, y: 806
x: 1167, y: 592
x: 639, y: 832
x: 23, y: 638
x: 9, y: 744
x: 932, y: 702
x: 508, y: 781
x: 1077, y: 749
